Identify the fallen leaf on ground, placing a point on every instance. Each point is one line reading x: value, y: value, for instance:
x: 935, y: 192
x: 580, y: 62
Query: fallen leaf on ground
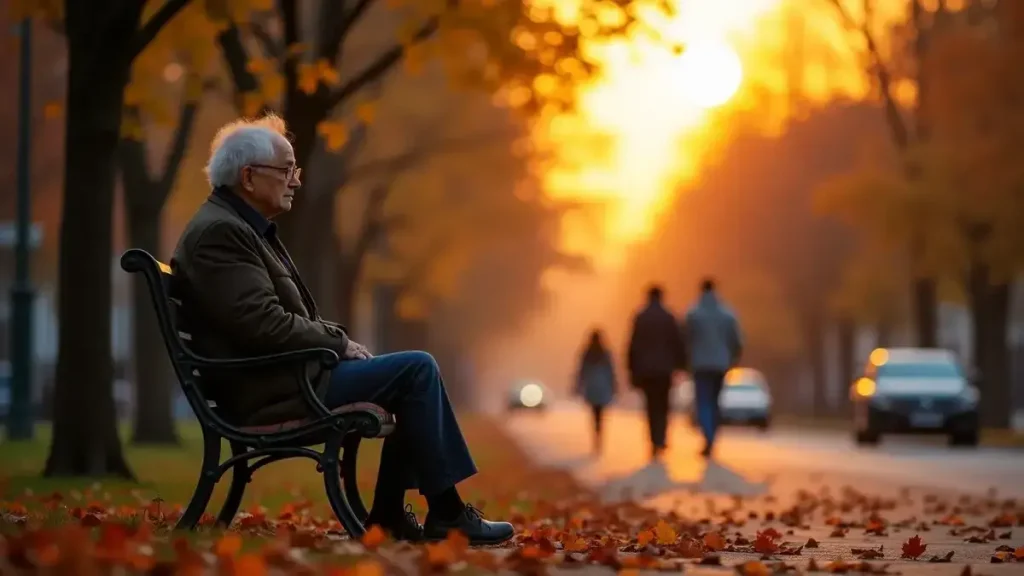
x: 913, y: 548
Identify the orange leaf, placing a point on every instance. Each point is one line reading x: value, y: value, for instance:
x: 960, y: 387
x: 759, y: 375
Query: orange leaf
x: 753, y: 568
x: 714, y: 541
x: 228, y: 545
x: 764, y: 543
x: 366, y: 112
x: 374, y: 537
x: 309, y: 78
x: 913, y: 548
x: 665, y: 533
x: 368, y: 567
x: 1019, y: 553
x: 644, y: 538
x: 250, y: 565
x: 576, y: 545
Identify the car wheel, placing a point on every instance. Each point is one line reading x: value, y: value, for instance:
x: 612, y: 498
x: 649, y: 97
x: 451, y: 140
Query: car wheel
x: 964, y: 438
x: 867, y: 438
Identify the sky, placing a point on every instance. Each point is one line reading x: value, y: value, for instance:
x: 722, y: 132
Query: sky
x: 639, y: 136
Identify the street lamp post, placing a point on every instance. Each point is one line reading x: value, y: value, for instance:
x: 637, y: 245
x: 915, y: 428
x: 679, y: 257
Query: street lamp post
x: 20, y: 418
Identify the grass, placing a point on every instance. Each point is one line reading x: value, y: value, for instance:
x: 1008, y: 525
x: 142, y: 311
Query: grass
x: 507, y: 480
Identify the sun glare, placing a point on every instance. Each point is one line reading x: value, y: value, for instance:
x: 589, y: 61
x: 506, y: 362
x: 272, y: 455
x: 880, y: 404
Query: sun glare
x: 710, y: 73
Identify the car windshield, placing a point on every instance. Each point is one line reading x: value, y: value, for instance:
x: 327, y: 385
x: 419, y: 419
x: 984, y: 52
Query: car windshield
x: 920, y: 370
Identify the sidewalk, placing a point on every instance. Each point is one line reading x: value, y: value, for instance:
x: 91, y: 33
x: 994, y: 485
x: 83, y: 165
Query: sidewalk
x: 758, y: 482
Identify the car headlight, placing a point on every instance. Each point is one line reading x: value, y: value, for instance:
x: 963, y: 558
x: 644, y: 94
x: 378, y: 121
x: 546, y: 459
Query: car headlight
x: 531, y: 395
x: 970, y: 395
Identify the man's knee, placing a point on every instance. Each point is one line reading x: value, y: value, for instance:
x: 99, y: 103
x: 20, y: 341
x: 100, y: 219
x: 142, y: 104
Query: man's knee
x: 420, y: 364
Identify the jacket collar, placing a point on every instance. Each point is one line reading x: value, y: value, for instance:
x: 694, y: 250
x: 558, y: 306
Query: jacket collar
x: 260, y: 223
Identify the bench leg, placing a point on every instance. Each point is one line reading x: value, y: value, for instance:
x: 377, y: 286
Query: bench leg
x: 335, y: 494
x: 208, y: 478
x: 240, y: 477
x: 350, y: 478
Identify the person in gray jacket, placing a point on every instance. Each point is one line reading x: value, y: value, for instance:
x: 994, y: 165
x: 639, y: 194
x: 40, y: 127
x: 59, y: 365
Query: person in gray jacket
x: 595, y: 381
x: 714, y: 344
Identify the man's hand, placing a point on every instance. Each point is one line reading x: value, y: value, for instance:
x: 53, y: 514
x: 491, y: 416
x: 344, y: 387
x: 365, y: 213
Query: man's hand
x: 357, y: 351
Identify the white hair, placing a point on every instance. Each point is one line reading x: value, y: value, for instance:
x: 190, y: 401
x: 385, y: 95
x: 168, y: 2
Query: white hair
x: 242, y: 143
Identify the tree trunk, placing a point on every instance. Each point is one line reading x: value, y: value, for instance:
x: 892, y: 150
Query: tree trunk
x: 847, y: 362
x: 816, y: 351
x: 297, y: 228
x: 926, y: 312
x: 85, y: 440
x: 990, y: 307
x: 154, y: 405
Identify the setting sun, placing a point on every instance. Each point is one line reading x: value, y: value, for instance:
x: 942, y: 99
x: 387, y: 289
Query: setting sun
x: 710, y: 73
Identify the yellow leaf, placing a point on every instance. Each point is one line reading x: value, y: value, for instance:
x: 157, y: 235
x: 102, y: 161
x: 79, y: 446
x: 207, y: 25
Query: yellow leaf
x: 53, y: 110
x: 665, y: 533
x: 257, y: 65
x: 335, y: 134
x: 309, y: 78
x: 366, y: 112
x: 273, y: 86
x: 252, y: 103
x: 327, y: 73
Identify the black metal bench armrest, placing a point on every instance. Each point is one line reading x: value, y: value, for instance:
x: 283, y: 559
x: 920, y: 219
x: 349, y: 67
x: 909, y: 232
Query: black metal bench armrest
x: 327, y: 359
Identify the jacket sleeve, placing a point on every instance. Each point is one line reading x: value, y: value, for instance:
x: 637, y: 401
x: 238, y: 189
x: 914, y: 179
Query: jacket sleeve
x: 634, y: 346
x: 234, y: 288
x: 735, y: 339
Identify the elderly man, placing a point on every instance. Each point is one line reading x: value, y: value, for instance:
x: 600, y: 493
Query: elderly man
x: 242, y: 296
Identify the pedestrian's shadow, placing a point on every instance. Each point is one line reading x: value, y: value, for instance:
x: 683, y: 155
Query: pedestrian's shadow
x: 655, y: 480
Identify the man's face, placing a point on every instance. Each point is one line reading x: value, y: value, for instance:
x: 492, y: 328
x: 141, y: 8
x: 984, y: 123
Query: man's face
x: 271, y: 187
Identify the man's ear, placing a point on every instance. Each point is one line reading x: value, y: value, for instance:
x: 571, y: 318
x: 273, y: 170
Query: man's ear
x: 247, y: 178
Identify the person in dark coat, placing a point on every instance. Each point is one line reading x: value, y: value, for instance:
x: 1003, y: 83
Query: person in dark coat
x: 243, y: 296
x: 595, y: 381
x: 656, y: 351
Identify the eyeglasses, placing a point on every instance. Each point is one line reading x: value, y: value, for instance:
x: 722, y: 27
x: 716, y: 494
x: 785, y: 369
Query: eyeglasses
x: 290, y: 172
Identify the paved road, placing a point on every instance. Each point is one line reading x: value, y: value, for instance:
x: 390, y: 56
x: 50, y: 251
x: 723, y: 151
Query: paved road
x: 771, y: 472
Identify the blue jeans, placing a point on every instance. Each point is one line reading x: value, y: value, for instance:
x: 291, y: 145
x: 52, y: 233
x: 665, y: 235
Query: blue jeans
x: 427, y: 450
x: 708, y: 384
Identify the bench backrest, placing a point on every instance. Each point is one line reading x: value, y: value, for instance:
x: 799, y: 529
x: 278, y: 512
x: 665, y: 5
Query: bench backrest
x: 160, y: 281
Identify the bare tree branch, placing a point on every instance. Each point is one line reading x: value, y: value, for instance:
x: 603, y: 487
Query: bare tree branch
x: 384, y: 62
x: 422, y: 152
x: 153, y: 26
x: 335, y: 31
x: 897, y: 124
x: 271, y: 46
x: 179, y: 144
x: 237, y: 58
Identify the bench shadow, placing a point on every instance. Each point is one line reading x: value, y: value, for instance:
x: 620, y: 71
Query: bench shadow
x: 655, y: 480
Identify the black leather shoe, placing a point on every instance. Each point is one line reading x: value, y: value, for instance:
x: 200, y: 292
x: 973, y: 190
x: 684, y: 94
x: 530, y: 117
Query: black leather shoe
x: 472, y: 524
x: 407, y: 529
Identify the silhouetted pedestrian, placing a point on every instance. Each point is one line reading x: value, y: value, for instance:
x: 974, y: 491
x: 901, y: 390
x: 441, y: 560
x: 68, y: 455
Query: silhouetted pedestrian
x: 656, y: 351
x: 595, y: 381
x: 714, y: 342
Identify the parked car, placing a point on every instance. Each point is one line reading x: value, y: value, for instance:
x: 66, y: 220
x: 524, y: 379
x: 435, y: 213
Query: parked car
x: 914, y: 391
x: 527, y: 395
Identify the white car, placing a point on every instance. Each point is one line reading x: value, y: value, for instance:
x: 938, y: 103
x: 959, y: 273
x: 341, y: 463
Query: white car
x: 746, y: 398
x: 916, y: 391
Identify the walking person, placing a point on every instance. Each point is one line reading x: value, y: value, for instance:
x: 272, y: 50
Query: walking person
x: 595, y: 381
x: 656, y: 351
x: 714, y: 342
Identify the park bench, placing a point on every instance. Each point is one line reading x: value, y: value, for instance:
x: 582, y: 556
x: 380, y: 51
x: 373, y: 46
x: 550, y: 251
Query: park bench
x: 253, y: 447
